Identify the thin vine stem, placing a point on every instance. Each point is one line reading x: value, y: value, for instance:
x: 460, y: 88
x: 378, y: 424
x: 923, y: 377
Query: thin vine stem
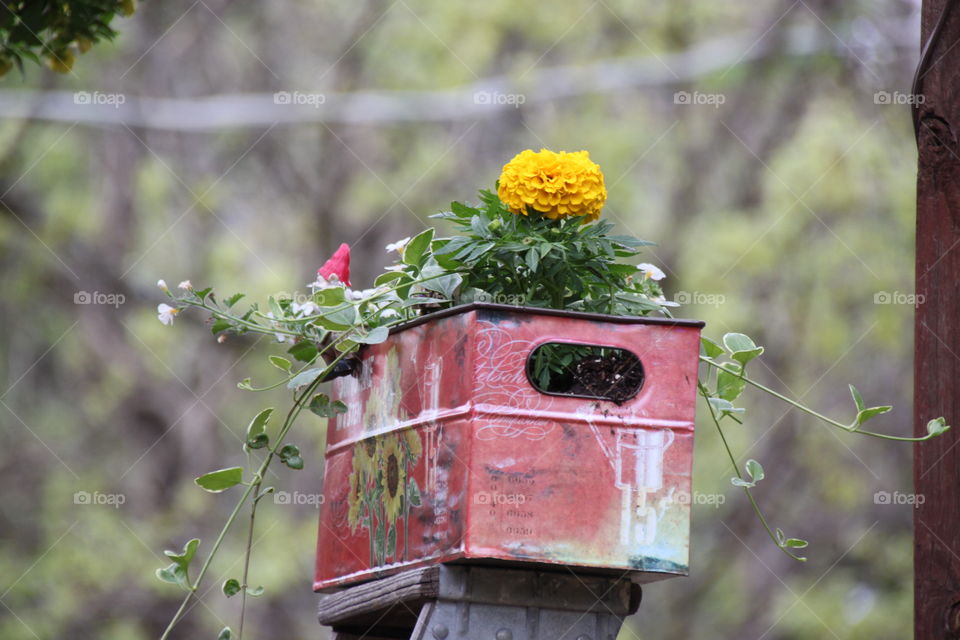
x: 849, y: 428
x: 733, y: 461
x: 246, y: 555
x: 290, y: 418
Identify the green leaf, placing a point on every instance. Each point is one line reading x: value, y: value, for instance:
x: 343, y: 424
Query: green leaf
x: 532, y: 259
x: 857, y: 399
x: 711, y: 348
x: 219, y: 325
x: 185, y: 557
x: 176, y: 573
x: 730, y: 384
x: 321, y: 405
x: 225, y: 634
x: 462, y: 210
x: 339, y: 319
x: 330, y: 296
x: 937, y: 426
x: 417, y: 249
x: 872, y: 412
x: 388, y: 277
x: 234, y: 299
x: 795, y: 543
x: 304, y: 351
x: 256, y: 428
x: 258, y: 441
x: 221, y: 479
x: 444, y: 285
x: 173, y: 574
x: 280, y: 363
x: 755, y: 470
x: 374, y: 336
x: 452, y: 245
x: 231, y: 587
x: 741, y: 347
x: 290, y: 456
x: 275, y: 308
x: 739, y: 482
x: 304, y: 378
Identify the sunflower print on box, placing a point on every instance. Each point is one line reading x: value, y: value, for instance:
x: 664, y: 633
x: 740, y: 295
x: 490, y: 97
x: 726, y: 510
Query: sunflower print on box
x: 382, y: 491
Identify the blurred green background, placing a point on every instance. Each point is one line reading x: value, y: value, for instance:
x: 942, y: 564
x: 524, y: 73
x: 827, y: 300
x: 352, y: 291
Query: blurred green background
x: 778, y: 184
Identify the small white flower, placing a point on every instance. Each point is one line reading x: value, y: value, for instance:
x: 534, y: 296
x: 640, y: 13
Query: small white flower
x: 651, y: 272
x: 308, y: 308
x: 363, y: 294
x: 166, y: 313
x: 398, y: 246
x: 185, y: 285
x: 323, y: 283
x: 163, y: 286
x: 221, y: 338
x: 389, y: 313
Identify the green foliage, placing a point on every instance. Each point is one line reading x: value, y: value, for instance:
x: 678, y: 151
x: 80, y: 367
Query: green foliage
x: 538, y: 262
x: 55, y: 30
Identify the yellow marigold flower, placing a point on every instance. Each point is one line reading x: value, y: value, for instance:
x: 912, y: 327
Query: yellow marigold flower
x: 558, y: 185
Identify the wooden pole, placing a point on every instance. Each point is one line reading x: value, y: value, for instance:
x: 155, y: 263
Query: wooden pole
x: 937, y: 325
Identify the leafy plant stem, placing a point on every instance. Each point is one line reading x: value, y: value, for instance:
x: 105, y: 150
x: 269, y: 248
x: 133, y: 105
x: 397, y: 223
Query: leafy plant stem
x: 733, y: 461
x: 850, y: 428
x: 291, y: 416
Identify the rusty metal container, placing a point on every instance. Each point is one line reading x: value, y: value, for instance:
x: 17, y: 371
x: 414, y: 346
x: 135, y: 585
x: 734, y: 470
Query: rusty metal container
x: 448, y: 452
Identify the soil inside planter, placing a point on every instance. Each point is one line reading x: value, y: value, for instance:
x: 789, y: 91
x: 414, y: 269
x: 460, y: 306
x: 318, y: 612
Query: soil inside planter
x: 606, y: 373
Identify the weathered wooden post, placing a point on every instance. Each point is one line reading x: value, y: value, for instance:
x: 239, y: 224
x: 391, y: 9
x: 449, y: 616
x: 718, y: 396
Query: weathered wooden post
x: 937, y: 329
x: 463, y: 500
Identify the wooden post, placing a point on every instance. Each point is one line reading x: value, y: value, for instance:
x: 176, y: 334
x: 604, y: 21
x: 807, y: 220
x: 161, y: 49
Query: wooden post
x: 937, y: 326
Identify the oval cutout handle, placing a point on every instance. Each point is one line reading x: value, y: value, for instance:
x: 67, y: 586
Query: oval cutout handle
x: 585, y: 371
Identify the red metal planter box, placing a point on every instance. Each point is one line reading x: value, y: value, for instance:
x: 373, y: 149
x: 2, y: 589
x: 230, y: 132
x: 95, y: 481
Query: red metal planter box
x: 448, y: 452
